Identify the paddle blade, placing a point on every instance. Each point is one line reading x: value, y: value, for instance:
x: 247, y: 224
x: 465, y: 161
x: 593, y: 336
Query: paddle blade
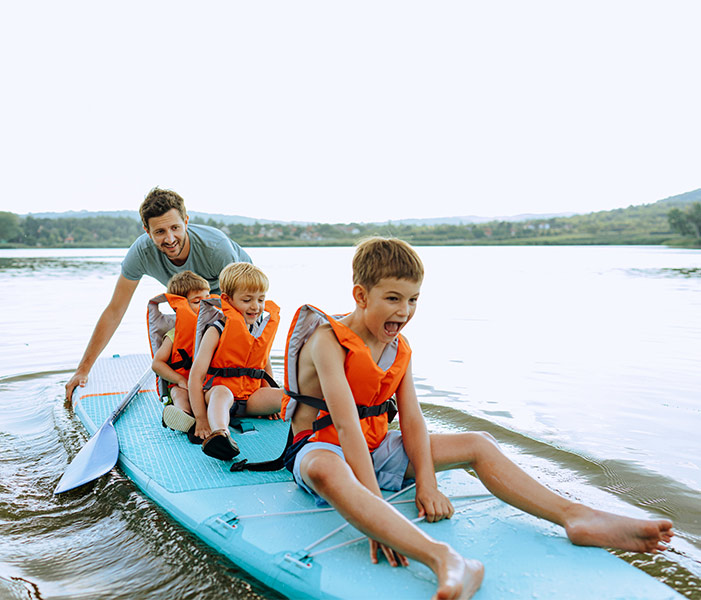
x: 96, y: 458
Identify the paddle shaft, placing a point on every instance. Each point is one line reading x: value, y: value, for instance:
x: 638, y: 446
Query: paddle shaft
x: 131, y: 394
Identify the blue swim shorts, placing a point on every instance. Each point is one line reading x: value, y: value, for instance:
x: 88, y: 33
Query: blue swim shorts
x: 389, y: 459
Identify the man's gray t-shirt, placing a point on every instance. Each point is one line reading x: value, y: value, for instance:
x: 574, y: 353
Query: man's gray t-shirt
x: 210, y: 251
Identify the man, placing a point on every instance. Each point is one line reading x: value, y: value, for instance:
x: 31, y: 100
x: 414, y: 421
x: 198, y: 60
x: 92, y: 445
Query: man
x: 169, y: 246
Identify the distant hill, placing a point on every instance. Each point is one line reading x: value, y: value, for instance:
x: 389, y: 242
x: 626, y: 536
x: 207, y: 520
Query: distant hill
x: 682, y: 199
x: 637, y: 224
x: 133, y: 214
x: 237, y: 219
x: 472, y: 219
x: 666, y: 203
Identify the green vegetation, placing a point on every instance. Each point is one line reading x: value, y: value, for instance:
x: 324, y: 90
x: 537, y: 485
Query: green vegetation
x: 675, y: 221
x: 67, y: 232
x: 687, y: 222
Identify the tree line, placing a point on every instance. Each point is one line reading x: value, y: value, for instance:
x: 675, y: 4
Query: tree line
x: 646, y: 224
x: 687, y: 222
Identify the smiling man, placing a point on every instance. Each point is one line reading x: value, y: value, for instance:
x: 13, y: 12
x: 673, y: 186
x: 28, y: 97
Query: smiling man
x: 169, y: 246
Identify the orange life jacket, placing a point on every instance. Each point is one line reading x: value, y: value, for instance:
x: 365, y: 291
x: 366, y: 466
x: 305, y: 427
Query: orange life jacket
x: 241, y: 356
x: 372, y: 384
x: 184, y: 321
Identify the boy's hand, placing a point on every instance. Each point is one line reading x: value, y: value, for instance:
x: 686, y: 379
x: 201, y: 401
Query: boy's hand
x: 393, y: 558
x: 182, y: 383
x: 433, y: 505
x: 202, y: 429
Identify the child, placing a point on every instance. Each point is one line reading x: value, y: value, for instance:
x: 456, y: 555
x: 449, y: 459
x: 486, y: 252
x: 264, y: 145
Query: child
x: 241, y: 340
x: 346, y: 455
x: 173, y: 358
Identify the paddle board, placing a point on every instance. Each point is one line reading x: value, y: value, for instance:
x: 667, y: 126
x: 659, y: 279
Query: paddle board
x: 268, y: 527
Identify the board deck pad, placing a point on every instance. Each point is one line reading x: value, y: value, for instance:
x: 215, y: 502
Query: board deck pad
x: 168, y: 457
x: 267, y: 526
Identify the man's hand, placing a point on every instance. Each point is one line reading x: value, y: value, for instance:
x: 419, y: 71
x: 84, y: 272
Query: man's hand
x: 393, y: 558
x: 79, y: 378
x: 433, y: 505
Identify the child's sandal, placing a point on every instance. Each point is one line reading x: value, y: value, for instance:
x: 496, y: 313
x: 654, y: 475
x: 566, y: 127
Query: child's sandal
x: 177, y: 419
x: 220, y: 445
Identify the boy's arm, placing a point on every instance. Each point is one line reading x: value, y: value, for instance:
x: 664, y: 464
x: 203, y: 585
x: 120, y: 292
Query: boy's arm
x: 328, y: 357
x: 163, y: 369
x: 198, y: 373
x: 431, y: 503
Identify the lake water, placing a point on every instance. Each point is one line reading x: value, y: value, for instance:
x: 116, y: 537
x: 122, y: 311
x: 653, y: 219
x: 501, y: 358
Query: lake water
x: 584, y: 362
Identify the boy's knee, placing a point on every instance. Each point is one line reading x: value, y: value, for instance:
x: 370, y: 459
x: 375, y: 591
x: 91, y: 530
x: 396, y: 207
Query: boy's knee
x: 484, y: 439
x: 488, y: 436
x: 321, y: 468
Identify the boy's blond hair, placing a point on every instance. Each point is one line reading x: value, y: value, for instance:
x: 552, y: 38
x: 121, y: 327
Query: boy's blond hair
x: 242, y: 276
x: 378, y: 258
x: 181, y: 284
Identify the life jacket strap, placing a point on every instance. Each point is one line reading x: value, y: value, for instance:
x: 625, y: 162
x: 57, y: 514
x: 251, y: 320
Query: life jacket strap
x: 268, y: 465
x: 185, y: 361
x: 388, y: 406
x: 239, y: 372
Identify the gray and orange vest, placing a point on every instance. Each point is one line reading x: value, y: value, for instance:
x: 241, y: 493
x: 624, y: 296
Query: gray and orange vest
x: 373, y: 384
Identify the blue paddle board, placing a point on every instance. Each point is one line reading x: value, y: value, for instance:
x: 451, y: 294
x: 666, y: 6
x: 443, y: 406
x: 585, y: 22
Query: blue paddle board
x: 268, y: 527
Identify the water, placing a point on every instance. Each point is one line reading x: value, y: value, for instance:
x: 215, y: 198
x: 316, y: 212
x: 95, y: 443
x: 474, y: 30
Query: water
x: 584, y: 362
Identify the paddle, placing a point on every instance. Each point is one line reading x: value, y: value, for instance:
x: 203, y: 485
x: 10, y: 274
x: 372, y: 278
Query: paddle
x: 101, y: 452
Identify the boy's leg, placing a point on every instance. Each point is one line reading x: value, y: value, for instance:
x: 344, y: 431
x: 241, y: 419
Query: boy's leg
x: 181, y: 399
x: 330, y: 476
x: 219, y: 400
x: 218, y: 444
x: 264, y: 401
x: 178, y: 414
x: 507, y: 481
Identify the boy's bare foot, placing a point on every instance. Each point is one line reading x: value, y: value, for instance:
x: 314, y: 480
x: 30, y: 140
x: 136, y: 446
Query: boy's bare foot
x: 589, y: 527
x: 458, y: 577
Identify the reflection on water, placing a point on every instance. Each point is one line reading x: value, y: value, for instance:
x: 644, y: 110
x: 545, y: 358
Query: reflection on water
x: 667, y: 272
x: 583, y: 362
x: 54, y: 267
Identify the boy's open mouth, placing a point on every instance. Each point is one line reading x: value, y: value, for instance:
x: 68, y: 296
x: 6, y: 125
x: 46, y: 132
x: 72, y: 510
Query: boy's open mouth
x: 392, y: 327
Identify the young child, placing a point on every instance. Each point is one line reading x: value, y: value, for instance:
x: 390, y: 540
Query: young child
x: 173, y: 358
x: 242, y: 340
x: 346, y: 455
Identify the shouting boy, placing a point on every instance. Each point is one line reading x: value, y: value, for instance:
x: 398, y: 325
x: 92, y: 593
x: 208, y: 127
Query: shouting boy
x: 343, y: 453
x: 232, y: 367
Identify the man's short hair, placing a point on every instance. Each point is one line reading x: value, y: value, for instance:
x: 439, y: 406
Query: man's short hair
x: 181, y: 284
x: 378, y: 258
x: 242, y: 276
x: 158, y: 202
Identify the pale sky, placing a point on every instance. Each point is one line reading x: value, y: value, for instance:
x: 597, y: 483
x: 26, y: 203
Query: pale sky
x: 349, y: 111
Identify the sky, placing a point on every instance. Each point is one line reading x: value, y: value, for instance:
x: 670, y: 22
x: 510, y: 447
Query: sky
x: 349, y: 111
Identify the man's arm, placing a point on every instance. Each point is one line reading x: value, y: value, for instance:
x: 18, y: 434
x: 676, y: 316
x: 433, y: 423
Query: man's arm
x: 106, y: 325
x: 430, y: 502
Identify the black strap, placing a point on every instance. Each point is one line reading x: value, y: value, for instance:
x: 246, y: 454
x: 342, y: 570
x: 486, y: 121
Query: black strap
x: 185, y: 361
x: 268, y: 465
x: 242, y: 372
x: 388, y: 406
